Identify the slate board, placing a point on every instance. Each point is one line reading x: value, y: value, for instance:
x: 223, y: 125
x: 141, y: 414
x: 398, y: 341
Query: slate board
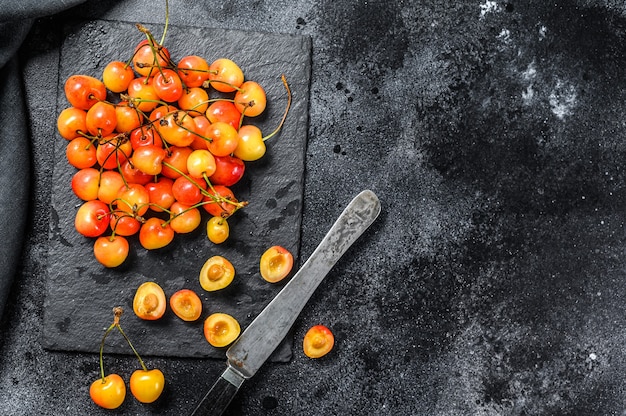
x: 81, y: 293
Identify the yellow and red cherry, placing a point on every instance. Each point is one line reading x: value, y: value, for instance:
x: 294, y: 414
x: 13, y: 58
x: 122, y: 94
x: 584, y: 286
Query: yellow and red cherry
x: 200, y: 163
x: 149, y: 302
x: 193, y: 70
x: 188, y: 191
x: 92, y: 218
x: 220, y: 201
x: 128, y: 118
x: 318, y: 341
x: 168, y: 85
x: 251, y: 145
x: 149, y: 159
x: 250, y: 99
x: 224, y: 111
x: 124, y: 224
x: 228, y: 170
x: 217, y: 230
x: 86, y: 183
x: 108, y: 392
x: 149, y: 57
x: 112, y: 151
x: 72, y: 123
x: 275, y: 264
x: 160, y: 192
x: 184, y: 218
x: 216, y: 273
x: 81, y: 153
x: 175, y: 162
x: 111, y: 251
x: 222, y: 138
x: 101, y: 119
x: 133, y: 199
x: 83, y: 91
x: 177, y: 128
x: 221, y: 329
x: 186, y: 304
x: 117, y: 75
x: 225, y: 75
x: 111, y: 182
x: 147, y: 385
x: 144, y: 136
x: 142, y: 94
x: 155, y: 233
x: 194, y: 100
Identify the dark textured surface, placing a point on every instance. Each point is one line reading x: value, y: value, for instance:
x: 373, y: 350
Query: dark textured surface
x: 493, y: 282
x: 81, y: 293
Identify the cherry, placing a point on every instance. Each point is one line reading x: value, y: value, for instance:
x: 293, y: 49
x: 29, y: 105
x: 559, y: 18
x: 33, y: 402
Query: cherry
x: 168, y: 85
x: 155, y: 233
x: 149, y: 159
x: 228, y: 170
x: 83, y: 91
x: 101, y: 119
x: 225, y: 75
x: 142, y: 94
x: 195, y: 101
x: 117, y: 75
x: 222, y: 138
x: 72, y: 123
x: 149, y: 56
x: 193, y: 70
x: 160, y: 193
x: 225, y: 111
x: 184, y: 218
x: 128, y: 118
x: 186, y: 304
x: 250, y: 99
x: 149, y: 301
x: 81, y: 153
x: 86, y: 183
x: 221, y: 329
x: 111, y: 251
x: 92, y: 218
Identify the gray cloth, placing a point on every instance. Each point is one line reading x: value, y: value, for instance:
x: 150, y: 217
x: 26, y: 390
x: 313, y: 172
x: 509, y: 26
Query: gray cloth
x: 16, y: 19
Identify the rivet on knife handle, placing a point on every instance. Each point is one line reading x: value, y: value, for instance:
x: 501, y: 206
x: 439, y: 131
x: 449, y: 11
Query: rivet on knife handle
x: 268, y: 329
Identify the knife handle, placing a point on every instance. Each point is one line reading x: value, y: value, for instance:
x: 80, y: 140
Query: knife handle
x: 215, y: 402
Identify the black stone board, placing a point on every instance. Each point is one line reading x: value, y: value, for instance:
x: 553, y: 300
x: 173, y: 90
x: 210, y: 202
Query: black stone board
x: 81, y: 293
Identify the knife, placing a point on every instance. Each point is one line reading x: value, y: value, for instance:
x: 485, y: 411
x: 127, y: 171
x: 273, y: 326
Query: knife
x: 269, y: 328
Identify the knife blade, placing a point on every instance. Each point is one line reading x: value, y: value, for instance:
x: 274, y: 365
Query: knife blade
x: 259, y: 340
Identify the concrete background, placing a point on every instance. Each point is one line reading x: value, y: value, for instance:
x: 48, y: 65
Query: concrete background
x: 493, y: 282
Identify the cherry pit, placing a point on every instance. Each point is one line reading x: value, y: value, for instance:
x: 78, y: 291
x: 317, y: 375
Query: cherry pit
x: 158, y: 145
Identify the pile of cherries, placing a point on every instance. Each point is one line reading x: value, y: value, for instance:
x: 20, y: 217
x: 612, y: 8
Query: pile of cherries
x: 156, y: 141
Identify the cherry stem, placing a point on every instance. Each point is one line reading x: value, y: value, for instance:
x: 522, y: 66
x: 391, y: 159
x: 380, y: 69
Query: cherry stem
x: 280, y: 125
x: 167, y: 21
x: 117, y: 312
x: 143, y: 366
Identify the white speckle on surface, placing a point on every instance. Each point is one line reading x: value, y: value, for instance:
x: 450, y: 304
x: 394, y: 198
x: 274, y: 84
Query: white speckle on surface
x: 542, y: 32
x: 504, y: 35
x: 488, y: 7
x: 562, y: 100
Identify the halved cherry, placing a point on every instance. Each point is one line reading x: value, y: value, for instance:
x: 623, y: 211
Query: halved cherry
x: 217, y: 273
x: 276, y: 264
x: 318, y: 341
x: 221, y: 329
x: 149, y: 302
x: 186, y: 304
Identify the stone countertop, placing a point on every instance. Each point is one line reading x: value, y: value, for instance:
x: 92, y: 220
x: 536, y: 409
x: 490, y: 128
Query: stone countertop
x: 493, y: 281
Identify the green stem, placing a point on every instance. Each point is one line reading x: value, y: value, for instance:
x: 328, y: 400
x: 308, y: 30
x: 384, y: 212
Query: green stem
x: 131, y: 347
x: 106, y: 333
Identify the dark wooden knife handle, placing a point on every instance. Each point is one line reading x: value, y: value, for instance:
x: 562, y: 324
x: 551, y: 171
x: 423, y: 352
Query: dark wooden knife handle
x: 215, y: 402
